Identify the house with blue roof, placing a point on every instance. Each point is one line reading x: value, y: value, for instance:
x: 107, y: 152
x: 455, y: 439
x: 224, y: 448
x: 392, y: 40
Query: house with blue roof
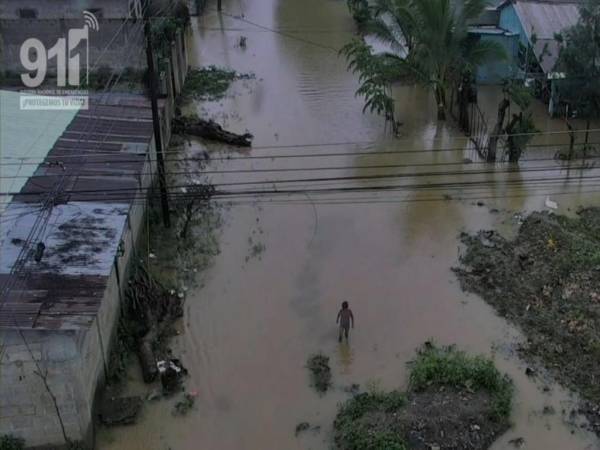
x: 527, y: 30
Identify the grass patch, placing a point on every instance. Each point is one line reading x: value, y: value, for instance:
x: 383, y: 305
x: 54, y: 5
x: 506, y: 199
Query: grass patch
x: 208, y: 83
x: 448, y: 392
x: 353, y: 432
x: 448, y: 366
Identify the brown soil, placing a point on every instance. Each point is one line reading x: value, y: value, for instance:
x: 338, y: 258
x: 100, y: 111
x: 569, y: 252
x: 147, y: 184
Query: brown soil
x: 437, y: 418
x: 547, y: 281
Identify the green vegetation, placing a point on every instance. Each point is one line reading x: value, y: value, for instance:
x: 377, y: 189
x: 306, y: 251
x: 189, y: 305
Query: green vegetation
x: 320, y: 372
x: 9, y: 442
x: 449, y: 367
x: 429, y: 44
x: 376, y: 75
x: 520, y: 128
x: 208, y: 83
x: 580, y: 61
x: 361, y: 12
x: 356, y: 434
x: 447, y: 389
x: 546, y: 281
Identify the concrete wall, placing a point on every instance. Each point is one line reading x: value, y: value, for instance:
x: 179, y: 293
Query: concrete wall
x: 26, y: 407
x: 68, y: 9
x: 115, y: 44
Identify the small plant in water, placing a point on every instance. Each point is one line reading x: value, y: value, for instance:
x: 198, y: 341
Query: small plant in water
x: 209, y: 83
x: 321, y: 373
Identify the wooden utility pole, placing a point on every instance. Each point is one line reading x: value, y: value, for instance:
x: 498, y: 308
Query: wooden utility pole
x: 219, y: 5
x: 152, y: 88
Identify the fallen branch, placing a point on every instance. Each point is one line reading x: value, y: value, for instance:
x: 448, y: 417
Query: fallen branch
x: 209, y: 129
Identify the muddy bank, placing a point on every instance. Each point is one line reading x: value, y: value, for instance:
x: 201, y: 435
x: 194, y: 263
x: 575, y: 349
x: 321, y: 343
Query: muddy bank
x: 453, y: 402
x: 547, y: 281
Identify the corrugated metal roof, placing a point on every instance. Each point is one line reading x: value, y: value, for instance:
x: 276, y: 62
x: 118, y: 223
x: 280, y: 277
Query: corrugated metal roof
x: 101, y: 149
x: 25, y: 133
x: 545, y: 19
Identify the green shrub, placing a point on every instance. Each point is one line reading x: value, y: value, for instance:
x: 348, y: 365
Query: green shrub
x: 449, y: 367
x: 357, y: 434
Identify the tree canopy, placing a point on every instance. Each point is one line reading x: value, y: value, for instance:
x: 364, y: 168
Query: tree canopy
x: 428, y: 41
x: 579, y: 60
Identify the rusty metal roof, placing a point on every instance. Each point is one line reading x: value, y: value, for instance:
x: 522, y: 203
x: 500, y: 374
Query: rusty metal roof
x: 102, y: 149
x: 545, y: 19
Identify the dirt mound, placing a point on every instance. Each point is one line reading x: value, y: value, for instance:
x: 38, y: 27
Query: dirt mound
x: 547, y: 281
x: 454, y: 402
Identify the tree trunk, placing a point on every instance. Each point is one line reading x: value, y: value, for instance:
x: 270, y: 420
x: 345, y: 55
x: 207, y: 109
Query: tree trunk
x: 587, y: 138
x: 514, y: 152
x: 493, y: 144
x: 440, y: 98
x: 571, y: 141
x: 209, y: 129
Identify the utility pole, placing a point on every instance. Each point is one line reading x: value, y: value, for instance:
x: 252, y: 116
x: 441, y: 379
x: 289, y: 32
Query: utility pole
x: 152, y: 85
x: 219, y: 5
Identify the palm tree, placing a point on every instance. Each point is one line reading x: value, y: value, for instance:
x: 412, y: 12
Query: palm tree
x: 430, y: 42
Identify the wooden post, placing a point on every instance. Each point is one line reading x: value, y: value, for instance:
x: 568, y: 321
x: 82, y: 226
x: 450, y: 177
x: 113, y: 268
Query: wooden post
x: 152, y: 85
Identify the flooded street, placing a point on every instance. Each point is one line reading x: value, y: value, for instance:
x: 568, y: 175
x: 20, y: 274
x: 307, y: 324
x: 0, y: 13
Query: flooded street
x: 287, y: 261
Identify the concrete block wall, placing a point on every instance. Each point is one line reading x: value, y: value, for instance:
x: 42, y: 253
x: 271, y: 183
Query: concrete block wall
x: 26, y: 407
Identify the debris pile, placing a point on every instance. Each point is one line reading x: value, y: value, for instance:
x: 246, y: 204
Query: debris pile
x: 154, y: 308
x: 547, y: 281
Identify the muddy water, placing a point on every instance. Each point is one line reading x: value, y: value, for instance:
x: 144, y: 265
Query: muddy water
x: 257, y: 315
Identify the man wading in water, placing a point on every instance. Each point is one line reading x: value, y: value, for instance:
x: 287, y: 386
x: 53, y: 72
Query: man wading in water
x: 343, y: 318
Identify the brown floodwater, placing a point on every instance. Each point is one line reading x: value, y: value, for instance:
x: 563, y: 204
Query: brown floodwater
x: 257, y: 314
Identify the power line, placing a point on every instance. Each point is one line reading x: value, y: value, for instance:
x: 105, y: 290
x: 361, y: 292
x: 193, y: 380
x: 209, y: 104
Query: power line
x: 281, y: 33
x: 83, y: 153
x: 201, y: 172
